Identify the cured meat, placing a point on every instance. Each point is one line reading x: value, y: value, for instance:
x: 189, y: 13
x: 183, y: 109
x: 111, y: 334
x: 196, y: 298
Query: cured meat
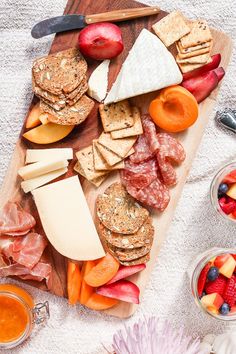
x: 170, y: 151
x: 40, y: 272
x: 26, y: 250
x: 142, y: 150
x: 150, y: 133
x: 156, y: 195
x: 139, y: 175
x: 14, y: 221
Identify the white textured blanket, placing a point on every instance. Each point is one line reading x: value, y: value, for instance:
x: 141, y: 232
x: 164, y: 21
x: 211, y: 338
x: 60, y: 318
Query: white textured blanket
x: 195, y: 226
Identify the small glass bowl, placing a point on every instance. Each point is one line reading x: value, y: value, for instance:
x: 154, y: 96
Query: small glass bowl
x: 217, y: 180
x: 194, y: 271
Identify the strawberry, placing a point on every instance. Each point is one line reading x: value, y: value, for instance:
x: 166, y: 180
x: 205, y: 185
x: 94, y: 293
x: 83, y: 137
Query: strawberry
x: 229, y: 293
x: 216, y: 286
x: 202, y: 279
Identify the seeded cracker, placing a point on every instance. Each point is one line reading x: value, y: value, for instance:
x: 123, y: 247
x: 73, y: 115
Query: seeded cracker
x: 70, y: 115
x: 171, y: 28
x: 96, y: 181
x: 61, y: 72
x: 116, y: 116
x: 110, y: 157
x: 120, y: 147
x: 85, y: 161
x: 136, y: 129
x: 144, y: 236
x: 100, y: 163
x: 199, y: 59
x: 118, y: 211
x: 129, y: 255
x: 189, y: 67
x: 195, y: 48
x: 140, y: 260
x: 200, y: 33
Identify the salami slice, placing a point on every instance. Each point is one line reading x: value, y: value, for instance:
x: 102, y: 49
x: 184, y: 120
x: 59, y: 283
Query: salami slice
x: 155, y: 195
x: 142, y: 151
x: 170, y: 151
x: 150, y: 133
x: 139, y: 175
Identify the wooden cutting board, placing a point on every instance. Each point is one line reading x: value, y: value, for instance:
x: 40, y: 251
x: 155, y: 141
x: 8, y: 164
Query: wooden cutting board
x: 91, y: 128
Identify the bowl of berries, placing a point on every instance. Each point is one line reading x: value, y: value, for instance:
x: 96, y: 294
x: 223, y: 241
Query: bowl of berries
x: 223, y: 191
x: 213, y: 283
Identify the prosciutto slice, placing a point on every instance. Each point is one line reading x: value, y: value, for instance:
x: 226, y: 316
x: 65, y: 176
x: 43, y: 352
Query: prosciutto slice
x: 26, y: 250
x: 39, y: 272
x: 14, y: 221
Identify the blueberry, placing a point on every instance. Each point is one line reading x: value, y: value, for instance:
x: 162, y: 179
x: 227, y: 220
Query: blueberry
x: 223, y: 188
x: 213, y: 273
x: 224, y: 309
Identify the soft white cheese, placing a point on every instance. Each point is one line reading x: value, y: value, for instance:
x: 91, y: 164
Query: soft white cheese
x: 148, y: 67
x: 98, y: 81
x: 41, y: 168
x: 35, y: 155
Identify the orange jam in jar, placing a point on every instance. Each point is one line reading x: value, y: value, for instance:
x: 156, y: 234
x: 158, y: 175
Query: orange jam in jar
x: 18, y: 314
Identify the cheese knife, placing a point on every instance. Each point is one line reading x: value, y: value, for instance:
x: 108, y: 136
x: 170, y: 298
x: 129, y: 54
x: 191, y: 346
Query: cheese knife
x: 70, y: 22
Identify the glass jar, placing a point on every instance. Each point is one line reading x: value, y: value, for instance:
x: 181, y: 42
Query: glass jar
x: 217, y: 180
x: 18, y: 315
x: 194, y: 271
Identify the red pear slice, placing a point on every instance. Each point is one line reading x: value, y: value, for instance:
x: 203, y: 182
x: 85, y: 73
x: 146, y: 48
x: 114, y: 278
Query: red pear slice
x: 216, y: 59
x: 123, y: 290
x: 126, y: 271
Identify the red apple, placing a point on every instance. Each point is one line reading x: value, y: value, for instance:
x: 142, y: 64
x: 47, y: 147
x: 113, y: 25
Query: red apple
x: 101, y: 41
x: 212, y: 301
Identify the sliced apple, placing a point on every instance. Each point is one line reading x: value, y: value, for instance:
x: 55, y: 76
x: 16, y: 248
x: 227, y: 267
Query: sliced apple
x: 212, y: 301
x: 33, y: 117
x: 48, y: 133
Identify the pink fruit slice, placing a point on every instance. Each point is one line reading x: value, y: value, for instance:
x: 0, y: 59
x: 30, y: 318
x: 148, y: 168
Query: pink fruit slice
x: 220, y: 73
x: 125, y: 272
x: 201, y: 86
x: 216, y: 59
x: 123, y: 290
x: 101, y: 41
x: 213, y: 301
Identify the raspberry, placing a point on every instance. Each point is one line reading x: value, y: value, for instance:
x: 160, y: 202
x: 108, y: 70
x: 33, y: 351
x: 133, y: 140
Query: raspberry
x: 202, y: 279
x: 216, y: 286
x: 229, y: 293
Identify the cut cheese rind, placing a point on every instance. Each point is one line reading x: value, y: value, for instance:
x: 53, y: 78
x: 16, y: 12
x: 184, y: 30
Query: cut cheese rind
x: 39, y: 181
x: 67, y: 221
x: 41, y: 168
x: 98, y: 81
x: 35, y: 155
x: 148, y: 67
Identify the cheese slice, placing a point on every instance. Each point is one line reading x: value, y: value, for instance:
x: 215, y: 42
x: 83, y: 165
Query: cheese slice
x: 148, y: 67
x: 98, y: 81
x: 41, y: 168
x: 67, y: 221
x: 35, y: 155
x: 39, y: 181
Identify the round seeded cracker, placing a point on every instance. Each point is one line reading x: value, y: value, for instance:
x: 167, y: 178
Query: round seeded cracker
x: 143, y: 237
x: 140, y: 260
x: 118, y: 211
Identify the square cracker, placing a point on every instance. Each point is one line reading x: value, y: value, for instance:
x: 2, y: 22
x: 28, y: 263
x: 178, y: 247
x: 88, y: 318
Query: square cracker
x: 198, y: 59
x: 192, y: 49
x: 100, y: 163
x: 194, y: 54
x: 120, y: 147
x: 200, y: 33
x: 136, y: 129
x: 96, y: 181
x: 110, y: 157
x: 171, y: 28
x: 189, y: 67
x: 86, y: 162
x: 116, y: 116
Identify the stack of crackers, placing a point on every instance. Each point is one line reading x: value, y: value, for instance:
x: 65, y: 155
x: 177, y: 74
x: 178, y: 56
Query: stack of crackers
x: 60, y: 81
x: 122, y: 124
x: 125, y: 227
x: 193, y: 40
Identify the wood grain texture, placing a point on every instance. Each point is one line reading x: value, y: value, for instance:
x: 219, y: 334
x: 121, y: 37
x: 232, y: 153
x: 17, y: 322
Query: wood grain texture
x: 82, y: 136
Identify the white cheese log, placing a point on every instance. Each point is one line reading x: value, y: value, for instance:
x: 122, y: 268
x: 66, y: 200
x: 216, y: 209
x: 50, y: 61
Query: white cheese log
x: 41, y: 168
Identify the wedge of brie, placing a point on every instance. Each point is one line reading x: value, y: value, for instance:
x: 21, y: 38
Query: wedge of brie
x: 98, y: 81
x: 148, y: 67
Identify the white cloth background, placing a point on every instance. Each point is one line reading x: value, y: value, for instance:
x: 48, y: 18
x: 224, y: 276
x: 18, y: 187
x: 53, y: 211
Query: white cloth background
x: 195, y: 226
